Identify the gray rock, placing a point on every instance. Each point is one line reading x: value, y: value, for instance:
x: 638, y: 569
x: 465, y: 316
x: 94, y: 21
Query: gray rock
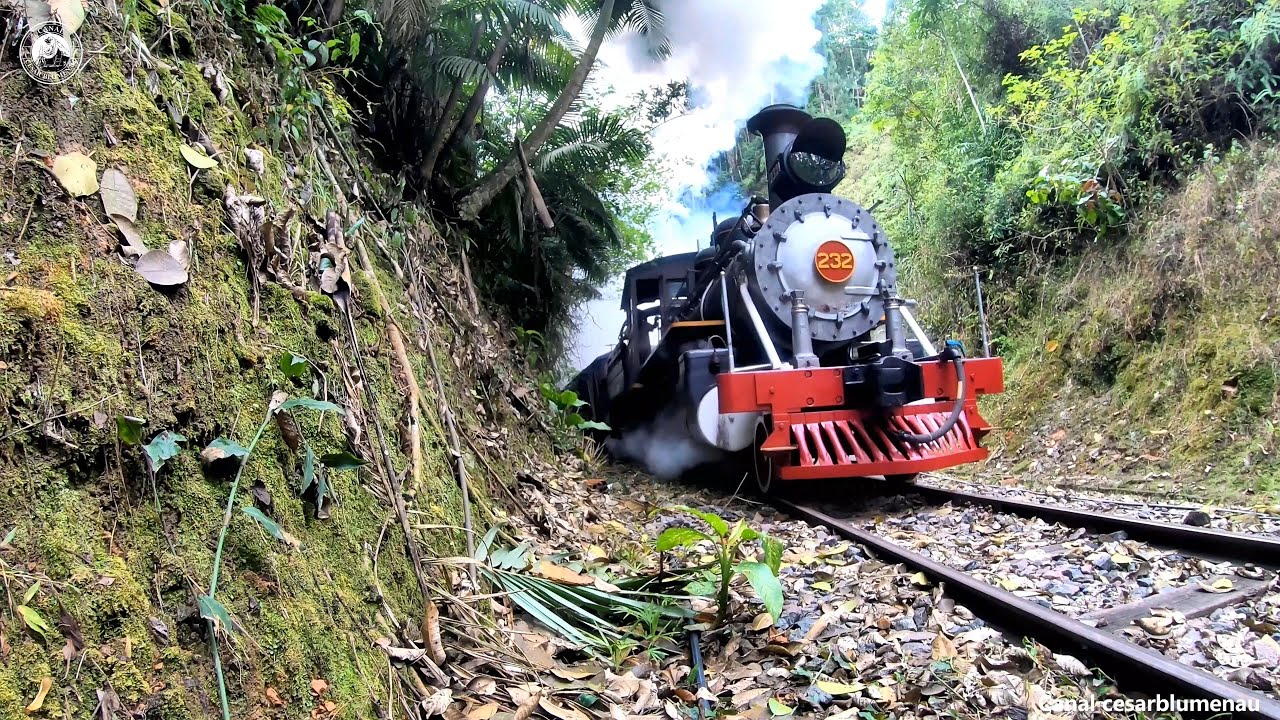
x: 917, y: 649
x: 905, y: 623
x: 1068, y: 589
x: 1197, y: 518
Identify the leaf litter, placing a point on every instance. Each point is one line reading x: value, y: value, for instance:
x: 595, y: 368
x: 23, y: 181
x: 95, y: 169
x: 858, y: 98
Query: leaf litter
x: 855, y: 635
x: 1083, y: 575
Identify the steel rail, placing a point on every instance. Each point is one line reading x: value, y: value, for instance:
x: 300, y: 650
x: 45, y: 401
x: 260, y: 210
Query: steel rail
x: 1138, y: 668
x: 1228, y: 545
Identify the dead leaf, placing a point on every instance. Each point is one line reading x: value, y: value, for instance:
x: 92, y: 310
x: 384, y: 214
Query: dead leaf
x: 109, y: 706
x: 563, y: 712
x: 289, y: 431
x: 70, y: 628
x: 551, y: 571
x: 319, y: 687
x: 536, y: 649
x: 118, y: 197
x: 273, y: 698
x: 1155, y: 625
x: 1051, y: 346
x: 38, y: 702
x: 77, y: 172
x: 574, y: 673
x: 179, y: 251
x: 943, y: 648
x: 483, y: 712
x: 133, y: 245
x: 437, y: 704
x: 431, y: 633
x: 528, y: 706
x: 763, y: 621
x: 1221, y: 585
x: 834, y: 688
x: 70, y: 14
x: 624, y: 685
x: 161, y: 268
x: 1070, y: 665
x: 261, y: 495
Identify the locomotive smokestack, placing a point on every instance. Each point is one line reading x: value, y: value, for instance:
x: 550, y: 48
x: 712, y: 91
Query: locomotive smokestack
x: 803, y: 154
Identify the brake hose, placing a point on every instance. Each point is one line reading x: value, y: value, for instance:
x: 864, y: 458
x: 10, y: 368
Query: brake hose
x: 957, y: 357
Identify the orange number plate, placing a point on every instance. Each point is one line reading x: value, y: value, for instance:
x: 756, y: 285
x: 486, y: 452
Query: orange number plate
x: 834, y: 261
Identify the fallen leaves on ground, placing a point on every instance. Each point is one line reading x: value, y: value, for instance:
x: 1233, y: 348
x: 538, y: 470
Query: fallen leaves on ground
x: 77, y: 172
x: 855, y: 633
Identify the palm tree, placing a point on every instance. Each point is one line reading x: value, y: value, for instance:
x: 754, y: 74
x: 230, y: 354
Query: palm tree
x: 536, y: 20
x: 609, y: 16
x: 542, y: 273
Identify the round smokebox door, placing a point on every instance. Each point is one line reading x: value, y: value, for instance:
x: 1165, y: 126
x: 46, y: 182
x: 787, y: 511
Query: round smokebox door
x: 836, y: 253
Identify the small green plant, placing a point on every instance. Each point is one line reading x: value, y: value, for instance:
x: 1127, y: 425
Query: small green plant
x: 226, y: 449
x: 728, y: 541
x: 532, y: 345
x: 657, y: 632
x: 565, y: 406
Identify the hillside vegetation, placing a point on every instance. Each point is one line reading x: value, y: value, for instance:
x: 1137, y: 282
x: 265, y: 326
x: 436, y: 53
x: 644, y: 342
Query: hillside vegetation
x: 225, y: 464
x: 1110, y: 169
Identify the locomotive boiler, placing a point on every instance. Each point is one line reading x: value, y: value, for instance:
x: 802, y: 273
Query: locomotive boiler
x: 787, y: 337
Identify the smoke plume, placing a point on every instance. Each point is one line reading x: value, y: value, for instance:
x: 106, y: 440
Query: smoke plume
x: 737, y: 56
x: 663, y: 447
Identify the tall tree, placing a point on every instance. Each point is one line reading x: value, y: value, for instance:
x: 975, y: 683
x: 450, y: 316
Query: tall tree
x: 929, y: 17
x: 609, y: 15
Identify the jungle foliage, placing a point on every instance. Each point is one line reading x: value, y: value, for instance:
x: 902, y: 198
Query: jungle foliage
x: 1096, y: 161
x: 1023, y: 131
x: 478, y: 107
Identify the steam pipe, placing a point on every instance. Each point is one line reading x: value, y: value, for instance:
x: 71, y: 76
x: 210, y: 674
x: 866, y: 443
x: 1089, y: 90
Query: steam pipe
x: 801, y: 340
x: 893, y: 328
x: 910, y: 320
x: 728, y: 324
x: 763, y: 335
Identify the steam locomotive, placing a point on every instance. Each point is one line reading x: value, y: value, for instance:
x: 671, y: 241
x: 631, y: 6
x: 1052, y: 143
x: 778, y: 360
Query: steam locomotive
x: 786, y: 336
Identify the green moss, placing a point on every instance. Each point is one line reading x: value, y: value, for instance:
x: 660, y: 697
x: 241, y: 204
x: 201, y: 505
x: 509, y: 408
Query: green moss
x: 78, y: 326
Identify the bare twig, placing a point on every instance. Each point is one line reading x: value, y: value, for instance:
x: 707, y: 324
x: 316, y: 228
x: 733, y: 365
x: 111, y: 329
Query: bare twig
x: 42, y: 421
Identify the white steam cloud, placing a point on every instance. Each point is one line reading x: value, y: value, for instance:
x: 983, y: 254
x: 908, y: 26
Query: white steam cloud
x: 663, y: 447
x: 737, y: 56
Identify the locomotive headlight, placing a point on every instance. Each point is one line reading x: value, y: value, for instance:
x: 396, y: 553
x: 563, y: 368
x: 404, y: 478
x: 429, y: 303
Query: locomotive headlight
x: 834, y: 261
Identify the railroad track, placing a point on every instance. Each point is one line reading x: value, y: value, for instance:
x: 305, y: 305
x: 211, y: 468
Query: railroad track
x: 1138, y: 668
x: 1204, y: 542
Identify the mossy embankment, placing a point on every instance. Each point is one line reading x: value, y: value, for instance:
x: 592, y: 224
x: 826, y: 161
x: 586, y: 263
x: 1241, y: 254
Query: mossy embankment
x: 84, y: 339
x: 1152, y: 362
